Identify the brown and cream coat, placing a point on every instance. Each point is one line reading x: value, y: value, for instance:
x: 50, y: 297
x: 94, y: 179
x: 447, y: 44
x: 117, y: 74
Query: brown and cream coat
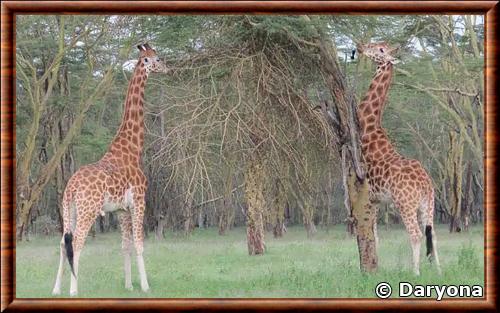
x: 393, y: 177
x: 114, y: 183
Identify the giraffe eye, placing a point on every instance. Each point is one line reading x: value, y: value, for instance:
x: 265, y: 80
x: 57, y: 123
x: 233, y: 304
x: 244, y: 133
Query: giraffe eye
x: 146, y: 60
x: 382, y: 50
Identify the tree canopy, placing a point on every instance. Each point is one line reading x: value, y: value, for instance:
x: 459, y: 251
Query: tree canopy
x: 242, y: 87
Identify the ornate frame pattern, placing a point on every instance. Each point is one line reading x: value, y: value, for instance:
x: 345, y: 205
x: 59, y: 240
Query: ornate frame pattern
x: 9, y: 10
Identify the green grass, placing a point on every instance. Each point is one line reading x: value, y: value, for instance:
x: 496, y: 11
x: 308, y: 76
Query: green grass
x: 208, y: 265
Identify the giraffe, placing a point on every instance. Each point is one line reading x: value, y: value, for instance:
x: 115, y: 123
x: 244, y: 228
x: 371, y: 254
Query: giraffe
x: 391, y: 176
x: 114, y: 183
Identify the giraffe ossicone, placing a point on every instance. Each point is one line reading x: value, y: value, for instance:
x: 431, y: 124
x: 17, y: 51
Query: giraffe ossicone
x: 114, y: 183
x: 391, y: 176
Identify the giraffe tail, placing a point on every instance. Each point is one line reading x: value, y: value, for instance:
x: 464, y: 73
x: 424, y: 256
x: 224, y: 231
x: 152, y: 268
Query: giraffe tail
x: 68, y: 214
x: 429, y: 224
x: 428, y: 239
x: 68, y: 245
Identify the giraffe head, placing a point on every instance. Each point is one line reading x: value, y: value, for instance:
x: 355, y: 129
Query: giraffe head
x: 379, y: 52
x: 152, y: 63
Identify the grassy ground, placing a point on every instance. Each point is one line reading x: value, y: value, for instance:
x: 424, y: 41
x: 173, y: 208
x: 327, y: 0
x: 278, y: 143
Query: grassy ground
x: 208, y: 265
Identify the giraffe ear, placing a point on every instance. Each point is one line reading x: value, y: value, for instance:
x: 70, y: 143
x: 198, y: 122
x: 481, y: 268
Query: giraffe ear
x: 141, y: 47
x: 147, y: 47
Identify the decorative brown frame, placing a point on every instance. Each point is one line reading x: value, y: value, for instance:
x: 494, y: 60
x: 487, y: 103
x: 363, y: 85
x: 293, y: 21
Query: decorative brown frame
x: 11, y: 8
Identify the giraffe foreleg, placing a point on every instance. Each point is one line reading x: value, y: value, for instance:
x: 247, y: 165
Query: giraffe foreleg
x: 126, y: 228
x: 137, y: 230
x: 430, y: 234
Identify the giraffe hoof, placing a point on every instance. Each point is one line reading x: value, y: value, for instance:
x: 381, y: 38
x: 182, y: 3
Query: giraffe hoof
x: 129, y: 288
x: 145, y: 288
x: 73, y: 293
x: 56, y: 292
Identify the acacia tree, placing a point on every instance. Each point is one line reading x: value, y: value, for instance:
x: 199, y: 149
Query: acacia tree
x: 452, y: 58
x: 38, y: 80
x: 243, y: 117
x: 341, y: 118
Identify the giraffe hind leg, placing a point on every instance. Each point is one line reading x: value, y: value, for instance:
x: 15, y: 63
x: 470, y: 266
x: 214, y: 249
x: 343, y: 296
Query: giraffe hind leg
x: 68, y: 212
x: 84, y: 222
x: 409, y: 216
x: 430, y: 233
x: 62, y: 258
x: 127, y: 241
x: 434, y: 252
x: 415, y: 246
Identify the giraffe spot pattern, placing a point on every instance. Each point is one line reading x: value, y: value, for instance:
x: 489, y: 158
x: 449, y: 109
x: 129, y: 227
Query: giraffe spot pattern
x: 109, y: 179
x: 391, y: 176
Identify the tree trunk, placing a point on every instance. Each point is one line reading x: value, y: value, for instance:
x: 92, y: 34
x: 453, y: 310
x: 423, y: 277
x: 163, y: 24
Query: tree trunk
x: 201, y: 218
x: 308, y: 216
x: 254, y: 181
x: 342, y: 118
x: 188, y: 225
x: 278, y: 208
x: 365, y: 218
x: 224, y: 218
x: 66, y: 166
x: 466, y: 202
x: 455, y: 170
x: 161, y: 221
x: 328, y: 205
x: 224, y: 215
x: 267, y: 215
x: 477, y: 201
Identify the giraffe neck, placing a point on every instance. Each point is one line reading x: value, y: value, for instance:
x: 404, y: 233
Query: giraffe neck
x: 371, y: 107
x: 129, y: 139
x: 374, y: 141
